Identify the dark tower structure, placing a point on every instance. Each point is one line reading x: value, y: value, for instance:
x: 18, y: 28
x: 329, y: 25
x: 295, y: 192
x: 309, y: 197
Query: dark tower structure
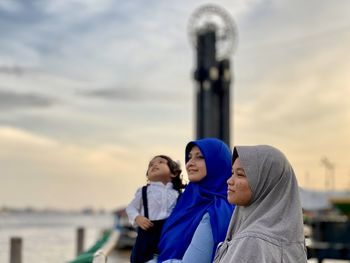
x: 214, y: 35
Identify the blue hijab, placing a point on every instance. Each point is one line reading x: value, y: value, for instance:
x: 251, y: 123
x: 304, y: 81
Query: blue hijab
x: 205, y: 196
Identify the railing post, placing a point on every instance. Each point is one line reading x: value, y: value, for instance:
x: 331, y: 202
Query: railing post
x: 16, y: 250
x: 80, y: 240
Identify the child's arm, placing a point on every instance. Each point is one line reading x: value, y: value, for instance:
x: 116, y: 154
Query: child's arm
x: 133, y: 211
x: 134, y: 208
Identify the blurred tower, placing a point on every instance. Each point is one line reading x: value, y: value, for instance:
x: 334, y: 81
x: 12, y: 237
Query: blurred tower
x: 214, y: 35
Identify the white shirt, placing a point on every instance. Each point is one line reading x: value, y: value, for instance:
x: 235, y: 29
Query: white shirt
x: 161, y: 201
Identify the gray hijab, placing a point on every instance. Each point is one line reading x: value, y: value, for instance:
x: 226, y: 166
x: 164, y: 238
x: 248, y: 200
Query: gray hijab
x: 270, y: 228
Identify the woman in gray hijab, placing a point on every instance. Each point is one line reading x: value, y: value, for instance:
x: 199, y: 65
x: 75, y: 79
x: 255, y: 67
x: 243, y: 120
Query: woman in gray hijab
x: 267, y: 224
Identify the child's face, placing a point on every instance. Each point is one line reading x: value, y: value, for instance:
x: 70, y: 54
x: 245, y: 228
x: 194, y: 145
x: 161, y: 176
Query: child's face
x: 158, y: 170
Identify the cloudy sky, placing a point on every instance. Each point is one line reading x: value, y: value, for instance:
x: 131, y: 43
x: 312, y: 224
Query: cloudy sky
x: 90, y: 90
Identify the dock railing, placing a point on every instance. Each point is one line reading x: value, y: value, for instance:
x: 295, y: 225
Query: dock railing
x: 101, y: 255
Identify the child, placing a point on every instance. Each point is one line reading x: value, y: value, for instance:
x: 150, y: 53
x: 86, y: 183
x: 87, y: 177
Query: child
x: 152, y: 204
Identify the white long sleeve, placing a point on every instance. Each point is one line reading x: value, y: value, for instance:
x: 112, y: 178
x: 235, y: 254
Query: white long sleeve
x: 161, y: 201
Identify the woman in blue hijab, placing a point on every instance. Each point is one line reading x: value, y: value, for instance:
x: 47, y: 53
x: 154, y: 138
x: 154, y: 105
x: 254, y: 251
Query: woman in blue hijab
x: 201, y: 217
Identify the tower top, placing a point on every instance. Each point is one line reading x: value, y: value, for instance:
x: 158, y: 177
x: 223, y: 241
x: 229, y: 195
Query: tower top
x: 213, y: 18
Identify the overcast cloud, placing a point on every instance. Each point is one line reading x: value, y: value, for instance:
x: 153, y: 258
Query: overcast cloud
x: 90, y: 90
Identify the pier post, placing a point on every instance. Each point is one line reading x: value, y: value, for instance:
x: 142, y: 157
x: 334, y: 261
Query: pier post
x: 80, y: 240
x: 16, y: 250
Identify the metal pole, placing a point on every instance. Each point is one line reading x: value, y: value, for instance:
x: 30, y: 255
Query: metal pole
x: 80, y: 240
x: 224, y: 98
x: 206, y: 104
x: 213, y: 92
x: 16, y: 250
x: 214, y: 35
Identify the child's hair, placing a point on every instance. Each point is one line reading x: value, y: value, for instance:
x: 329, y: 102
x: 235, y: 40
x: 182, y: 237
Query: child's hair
x: 175, y: 169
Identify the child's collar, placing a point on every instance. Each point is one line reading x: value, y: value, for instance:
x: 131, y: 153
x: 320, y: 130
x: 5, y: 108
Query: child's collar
x: 168, y: 185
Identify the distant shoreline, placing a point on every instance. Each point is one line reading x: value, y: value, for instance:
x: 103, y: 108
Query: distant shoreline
x: 30, y: 210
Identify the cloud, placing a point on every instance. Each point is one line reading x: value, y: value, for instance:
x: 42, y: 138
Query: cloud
x: 291, y: 83
x: 14, y: 70
x: 135, y: 95
x: 106, y: 84
x: 10, y: 6
x: 103, y: 176
x: 12, y: 135
x: 42, y: 161
x: 12, y: 100
x: 18, y: 70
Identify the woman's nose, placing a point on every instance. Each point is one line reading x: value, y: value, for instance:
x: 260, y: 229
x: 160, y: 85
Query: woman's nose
x: 230, y: 180
x: 189, y: 162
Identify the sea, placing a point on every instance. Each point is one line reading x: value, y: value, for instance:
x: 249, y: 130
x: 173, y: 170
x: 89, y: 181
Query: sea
x: 50, y: 237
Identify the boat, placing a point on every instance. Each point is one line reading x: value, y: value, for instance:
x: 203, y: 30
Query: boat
x: 127, y: 233
x: 342, y: 204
